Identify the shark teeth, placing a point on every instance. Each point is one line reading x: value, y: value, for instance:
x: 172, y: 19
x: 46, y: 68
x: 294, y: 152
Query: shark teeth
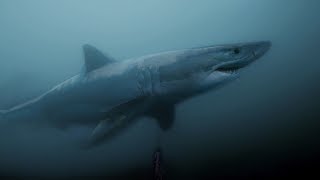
x: 229, y: 71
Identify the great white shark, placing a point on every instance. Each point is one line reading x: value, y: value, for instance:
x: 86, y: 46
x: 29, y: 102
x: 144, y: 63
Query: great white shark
x: 110, y: 94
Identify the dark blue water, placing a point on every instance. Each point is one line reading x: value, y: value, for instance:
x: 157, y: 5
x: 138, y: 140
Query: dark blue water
x: 265, y: 123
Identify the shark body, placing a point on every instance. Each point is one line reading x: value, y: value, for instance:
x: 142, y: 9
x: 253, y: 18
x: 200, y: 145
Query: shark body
x: 110, y: 94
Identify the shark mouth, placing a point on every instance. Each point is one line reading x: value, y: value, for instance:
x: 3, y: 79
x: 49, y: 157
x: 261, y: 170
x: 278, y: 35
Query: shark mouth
x: 229, y: 69
x: 233, y: 67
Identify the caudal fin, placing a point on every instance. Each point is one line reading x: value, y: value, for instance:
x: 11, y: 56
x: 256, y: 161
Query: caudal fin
x: 3, y: 114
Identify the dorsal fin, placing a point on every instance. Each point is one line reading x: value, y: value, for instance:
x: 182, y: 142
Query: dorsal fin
x: 94, y: 59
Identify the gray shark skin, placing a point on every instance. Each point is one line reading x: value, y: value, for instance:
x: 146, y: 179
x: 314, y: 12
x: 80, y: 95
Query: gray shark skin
x: 110, y: 94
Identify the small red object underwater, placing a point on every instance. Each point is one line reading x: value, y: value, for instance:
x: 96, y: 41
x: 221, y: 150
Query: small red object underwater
x: 157, y: 165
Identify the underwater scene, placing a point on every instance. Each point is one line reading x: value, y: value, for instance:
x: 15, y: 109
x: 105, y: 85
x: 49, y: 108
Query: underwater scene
x: 160, y: 89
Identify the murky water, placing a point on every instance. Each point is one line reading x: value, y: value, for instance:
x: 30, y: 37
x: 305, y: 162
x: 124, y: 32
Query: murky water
x: 266, y: 120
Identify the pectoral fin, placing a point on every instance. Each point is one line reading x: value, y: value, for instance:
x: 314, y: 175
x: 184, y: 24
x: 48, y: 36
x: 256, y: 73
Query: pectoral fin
x: 106, y: 129
x: 116, y: 120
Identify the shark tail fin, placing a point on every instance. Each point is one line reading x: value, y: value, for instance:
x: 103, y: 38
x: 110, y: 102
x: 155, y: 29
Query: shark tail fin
x: 3, y: 114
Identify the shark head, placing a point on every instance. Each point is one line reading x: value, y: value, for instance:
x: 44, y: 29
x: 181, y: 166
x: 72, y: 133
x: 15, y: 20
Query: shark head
x: 200, y: 69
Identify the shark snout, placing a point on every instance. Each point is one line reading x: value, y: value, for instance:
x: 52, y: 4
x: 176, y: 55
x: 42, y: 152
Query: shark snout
x: 261, y: 48
x: 249, y: 52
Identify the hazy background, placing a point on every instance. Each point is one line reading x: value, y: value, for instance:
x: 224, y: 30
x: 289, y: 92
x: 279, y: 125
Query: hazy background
x: 263, y: 124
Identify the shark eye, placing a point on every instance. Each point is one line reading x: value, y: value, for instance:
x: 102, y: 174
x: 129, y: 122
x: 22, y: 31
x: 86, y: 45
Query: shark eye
x: 236, y: 51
